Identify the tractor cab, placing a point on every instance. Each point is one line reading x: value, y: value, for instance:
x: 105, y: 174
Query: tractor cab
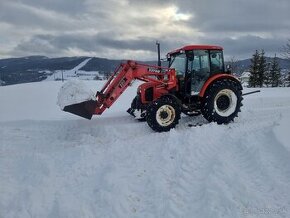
x: 194, y: 65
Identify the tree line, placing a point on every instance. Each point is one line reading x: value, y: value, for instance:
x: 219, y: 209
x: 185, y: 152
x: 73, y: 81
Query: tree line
x: 263, y: 73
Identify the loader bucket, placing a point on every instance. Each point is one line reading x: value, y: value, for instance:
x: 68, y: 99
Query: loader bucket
x: 84, y: 109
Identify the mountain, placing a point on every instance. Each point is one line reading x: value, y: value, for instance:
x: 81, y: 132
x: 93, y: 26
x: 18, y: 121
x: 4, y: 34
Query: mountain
x: 38, y: 68
x: 104, y: 65
x: 34, y: 68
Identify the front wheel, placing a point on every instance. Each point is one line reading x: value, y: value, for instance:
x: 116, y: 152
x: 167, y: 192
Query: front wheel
x: 222, y: 101
x: 163, y: 114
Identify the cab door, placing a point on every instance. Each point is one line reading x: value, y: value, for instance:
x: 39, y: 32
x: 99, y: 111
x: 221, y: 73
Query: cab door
x: 199, y: 67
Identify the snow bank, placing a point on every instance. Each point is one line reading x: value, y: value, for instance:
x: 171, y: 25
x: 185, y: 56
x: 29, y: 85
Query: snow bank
x: 53, y: 164
x: 73, y: 92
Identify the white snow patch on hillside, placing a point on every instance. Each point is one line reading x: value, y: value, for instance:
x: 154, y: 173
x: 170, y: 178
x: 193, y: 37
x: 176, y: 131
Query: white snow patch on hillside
x: 73, y: 73
x: 54, y: 164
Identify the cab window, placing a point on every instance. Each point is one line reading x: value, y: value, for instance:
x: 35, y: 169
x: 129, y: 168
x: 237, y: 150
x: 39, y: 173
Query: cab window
x: 199, y: 67
x: 216, y: 62
x: 201, y: 61
x: 178, y: 62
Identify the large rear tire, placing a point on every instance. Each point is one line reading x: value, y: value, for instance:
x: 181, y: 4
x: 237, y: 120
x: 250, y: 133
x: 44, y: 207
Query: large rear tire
x: 163, y: 114
x: 222, y: 101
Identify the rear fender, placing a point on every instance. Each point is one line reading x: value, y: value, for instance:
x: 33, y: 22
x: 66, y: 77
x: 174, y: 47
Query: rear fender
x: 216, y: 77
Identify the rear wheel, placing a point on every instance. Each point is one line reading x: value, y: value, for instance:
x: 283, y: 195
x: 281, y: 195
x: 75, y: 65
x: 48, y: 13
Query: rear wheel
x: 222, y: 101
x: 163, y: 114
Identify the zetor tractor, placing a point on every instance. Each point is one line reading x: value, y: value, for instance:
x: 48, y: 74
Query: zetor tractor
x: 195, y: 82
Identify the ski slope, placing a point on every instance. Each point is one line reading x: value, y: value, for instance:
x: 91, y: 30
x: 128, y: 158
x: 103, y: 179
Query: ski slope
x: 54, y: 164
x: 75, y: 72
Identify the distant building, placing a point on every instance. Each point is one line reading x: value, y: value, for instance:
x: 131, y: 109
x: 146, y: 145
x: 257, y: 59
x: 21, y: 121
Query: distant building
x: 244, y: 78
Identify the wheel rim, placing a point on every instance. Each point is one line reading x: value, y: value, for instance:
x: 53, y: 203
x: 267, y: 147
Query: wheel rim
x: 165, y: 115
x: 225, y: 102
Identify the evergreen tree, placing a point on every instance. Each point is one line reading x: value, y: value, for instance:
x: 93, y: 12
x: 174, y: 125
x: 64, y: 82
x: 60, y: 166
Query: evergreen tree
x: 254, y: 69
x: 286, y: 50
x: 267, y: 76
x: 275, y: 73
x: 262, y: 67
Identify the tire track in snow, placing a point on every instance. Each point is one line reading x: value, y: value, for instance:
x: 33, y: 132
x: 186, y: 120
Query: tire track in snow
x: 251, y: 161
x: 191, y: 172
x: 195, y: 188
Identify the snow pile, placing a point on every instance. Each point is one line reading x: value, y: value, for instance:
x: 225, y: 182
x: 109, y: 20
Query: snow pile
x: 73, y: 92
x: 54, y: 164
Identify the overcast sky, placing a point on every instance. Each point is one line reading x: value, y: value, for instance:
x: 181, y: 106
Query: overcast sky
x: 128, y: 29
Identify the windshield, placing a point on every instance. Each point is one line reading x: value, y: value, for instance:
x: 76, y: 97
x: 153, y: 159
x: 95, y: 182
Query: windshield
x: 178, y: 62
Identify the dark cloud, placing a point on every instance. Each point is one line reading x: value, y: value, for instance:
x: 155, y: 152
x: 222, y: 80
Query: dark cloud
x: 239, y: 16
x: 246, y: 45
x: 71, y: 7
x: 99, y: 43
x: 30, y: 16
x: 129, y: 28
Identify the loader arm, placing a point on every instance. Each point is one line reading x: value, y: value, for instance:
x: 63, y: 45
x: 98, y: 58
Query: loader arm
x: 125, y: 74
x: 161, y: 78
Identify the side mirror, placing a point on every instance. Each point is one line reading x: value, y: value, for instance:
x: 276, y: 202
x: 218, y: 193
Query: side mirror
x: 190, y: 57
x: 229, y: 68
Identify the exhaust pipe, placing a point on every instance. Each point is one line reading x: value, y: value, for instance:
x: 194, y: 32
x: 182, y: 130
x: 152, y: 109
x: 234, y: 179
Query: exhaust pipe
x: 158, y: 52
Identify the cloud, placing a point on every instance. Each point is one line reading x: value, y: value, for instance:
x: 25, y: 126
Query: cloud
x: 244, y: 46
x: 97, y: 45
x: 129, y: 28
x: 239, y: 16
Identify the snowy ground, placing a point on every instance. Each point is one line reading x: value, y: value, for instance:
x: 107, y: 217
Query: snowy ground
x: 53, y: 164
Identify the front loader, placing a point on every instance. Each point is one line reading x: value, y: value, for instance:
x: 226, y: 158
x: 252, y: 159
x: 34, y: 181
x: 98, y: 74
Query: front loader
x: 195, y: 82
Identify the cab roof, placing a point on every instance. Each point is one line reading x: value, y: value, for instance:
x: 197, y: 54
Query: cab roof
x: 196, y: 47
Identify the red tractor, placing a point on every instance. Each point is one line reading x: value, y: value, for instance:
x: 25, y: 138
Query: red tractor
x: 194, y: 83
